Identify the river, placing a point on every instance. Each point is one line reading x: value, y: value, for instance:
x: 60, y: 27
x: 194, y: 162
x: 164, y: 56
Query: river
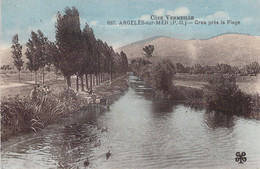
x: 141, y: 133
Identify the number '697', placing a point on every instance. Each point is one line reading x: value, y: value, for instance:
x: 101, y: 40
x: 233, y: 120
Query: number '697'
x: 111, y: 22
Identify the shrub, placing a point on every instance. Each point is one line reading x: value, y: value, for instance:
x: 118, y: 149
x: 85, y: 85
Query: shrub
x: 16, y: 114
x: 162, y: 80
x: 24, y: 114
x: 223, y: 95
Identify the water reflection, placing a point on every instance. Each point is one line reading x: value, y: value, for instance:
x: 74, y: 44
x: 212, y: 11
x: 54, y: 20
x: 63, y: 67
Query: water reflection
x: 215, y: 120
x: 140, y: 132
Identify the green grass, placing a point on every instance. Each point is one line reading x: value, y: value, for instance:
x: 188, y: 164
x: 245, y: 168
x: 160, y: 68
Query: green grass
x: 192, y: 90
x: 23, y: 114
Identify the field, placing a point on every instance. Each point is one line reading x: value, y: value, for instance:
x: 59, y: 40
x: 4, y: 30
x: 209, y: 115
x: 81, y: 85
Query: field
x: 10, y: 86
x: 248, y: 84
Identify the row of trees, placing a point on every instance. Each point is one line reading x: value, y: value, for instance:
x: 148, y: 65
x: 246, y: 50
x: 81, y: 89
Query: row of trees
x: 6, y: 67
x: 75, y: 52
x: 220, y: 94
x: 158, y: 74
x: 251, y: 69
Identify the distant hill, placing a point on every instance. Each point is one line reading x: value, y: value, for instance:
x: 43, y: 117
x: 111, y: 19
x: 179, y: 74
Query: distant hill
x: 6, y: 56
x: 234, y: 49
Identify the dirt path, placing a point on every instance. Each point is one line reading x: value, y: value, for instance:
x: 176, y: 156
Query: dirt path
x: 15, y: 84
x: 24, y: 88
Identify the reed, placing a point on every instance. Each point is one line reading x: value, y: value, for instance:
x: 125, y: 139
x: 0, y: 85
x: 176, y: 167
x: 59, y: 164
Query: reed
x: 23, y: 114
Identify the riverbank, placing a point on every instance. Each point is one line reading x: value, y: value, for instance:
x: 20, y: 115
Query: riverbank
x: 221, y: 93
x: 21, y: 114
x: 142, y: 132
x: 197, y: 98
x: 248, y: 84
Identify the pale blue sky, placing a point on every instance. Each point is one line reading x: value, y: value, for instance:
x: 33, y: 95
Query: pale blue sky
x: 23, y: 16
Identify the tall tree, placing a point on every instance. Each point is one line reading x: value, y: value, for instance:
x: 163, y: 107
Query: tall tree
x: 68, y: 40
x: 41, y: 48
x: 109, y: 60
x: 89, y: 42
x: 52, y: 53
x: 32, y: 55
x: 17, y: 54
x: 100, y: 46
x: 148, y: 51
x: 124, y: 62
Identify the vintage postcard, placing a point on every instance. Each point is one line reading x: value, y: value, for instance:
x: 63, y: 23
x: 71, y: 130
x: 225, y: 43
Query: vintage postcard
x: 130, y: 84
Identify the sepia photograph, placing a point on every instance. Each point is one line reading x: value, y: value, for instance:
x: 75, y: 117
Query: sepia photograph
x: 130, y: 84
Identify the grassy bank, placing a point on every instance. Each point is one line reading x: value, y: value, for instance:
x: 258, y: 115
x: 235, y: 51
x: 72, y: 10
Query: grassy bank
x: 220, y: 93
x: 22, y: 114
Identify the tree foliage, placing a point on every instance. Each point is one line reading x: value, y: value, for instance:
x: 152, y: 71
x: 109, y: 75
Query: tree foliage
x: 32, y: 54
x: 75, y: 52
x: 68, y: 40
x: 224, y: 95
x: 148, y: 51
x: 17, y: 54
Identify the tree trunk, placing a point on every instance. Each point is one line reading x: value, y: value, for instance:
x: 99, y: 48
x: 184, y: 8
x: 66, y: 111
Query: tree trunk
x: 19, y: 75
x: 43, y: 76
x: 96, y: 79
x: 93, y: 80
x: 68, y: 81
x: 86, y: 75
x: 77, y: 83
x: 82, y: 83
x: 35, y: 77
x: 90, y: 77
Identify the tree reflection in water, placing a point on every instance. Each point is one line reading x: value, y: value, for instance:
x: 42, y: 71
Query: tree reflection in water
x: 215, y: 120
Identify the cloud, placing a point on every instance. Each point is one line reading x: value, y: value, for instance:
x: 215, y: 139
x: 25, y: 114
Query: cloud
x: 218, y: 15
x: 145, y: 17
x: 159, y: 12
x: 32, y: 28
x: 215, y: 16
x: 247, y: 20
x: 54, y: 19
x: 93, y: 23
x: 83, y: 21
x: 181, y: 11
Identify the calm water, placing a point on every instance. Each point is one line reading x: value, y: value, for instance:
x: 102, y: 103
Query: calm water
x: 141, y: 133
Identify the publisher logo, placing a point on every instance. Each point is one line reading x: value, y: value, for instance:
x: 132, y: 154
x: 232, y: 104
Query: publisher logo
x: 241, y: 157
